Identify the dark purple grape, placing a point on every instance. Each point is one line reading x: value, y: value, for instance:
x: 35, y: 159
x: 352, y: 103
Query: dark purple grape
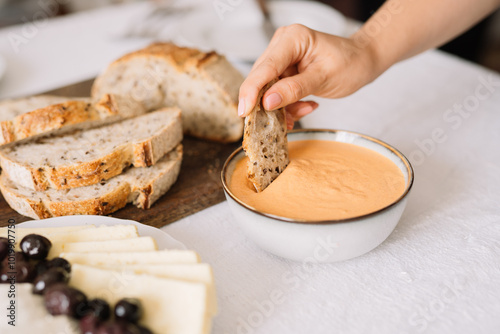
x: 99, y: 308
x: 128, y: 309
x: 4, y: 248
x: 61, y: 299
x: 89, y: 324
x: 4, y: 276
x: 11, y: 259
x: 61, y: 263
x: 16, y: 266
x: 118, y: 327
x: 35, y: 246
x: 82, y: 310
x: 48, y: 278
x: 41, y: 267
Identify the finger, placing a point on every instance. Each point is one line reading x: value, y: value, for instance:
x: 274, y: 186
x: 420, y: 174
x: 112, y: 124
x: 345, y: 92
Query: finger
x: 289, y: 121
x: 290, y: 90
x: 299, y: 109
x: 280, y: 54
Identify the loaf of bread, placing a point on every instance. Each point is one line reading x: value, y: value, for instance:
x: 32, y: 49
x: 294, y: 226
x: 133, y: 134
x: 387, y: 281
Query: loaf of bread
x: 33, y: 117
x: 265, y: 143
x: 140, y: 186
x: 203, y: 85
x: 93, y: 156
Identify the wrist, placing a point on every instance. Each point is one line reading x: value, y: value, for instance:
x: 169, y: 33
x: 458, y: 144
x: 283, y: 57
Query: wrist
x: 370, y: 55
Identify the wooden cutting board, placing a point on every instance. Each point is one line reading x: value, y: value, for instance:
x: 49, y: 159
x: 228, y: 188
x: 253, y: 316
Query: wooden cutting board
x: 198, y: 186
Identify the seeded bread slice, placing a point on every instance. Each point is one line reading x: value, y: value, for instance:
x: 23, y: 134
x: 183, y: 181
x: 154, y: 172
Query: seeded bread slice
x: 203, y: 85
x: 140, y: 186
x: 93, y: 156
x: 43, y: 115
x: 265, y: 143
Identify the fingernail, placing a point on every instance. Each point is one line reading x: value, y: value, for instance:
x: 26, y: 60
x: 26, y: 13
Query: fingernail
x: 272, y: 101
x: 241, y: 107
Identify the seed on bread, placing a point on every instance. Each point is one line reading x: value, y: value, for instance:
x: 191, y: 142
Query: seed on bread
x: 141, y: 186
x: 265, y: 143
x: 26, y: 119
x: 203, y: 85
x: 141, y: 141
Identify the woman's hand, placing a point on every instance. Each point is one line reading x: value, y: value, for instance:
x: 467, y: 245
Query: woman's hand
x: 309, y: 63
x: 313, y: 63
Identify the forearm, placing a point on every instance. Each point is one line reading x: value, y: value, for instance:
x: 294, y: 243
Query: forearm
x: 403, y: 28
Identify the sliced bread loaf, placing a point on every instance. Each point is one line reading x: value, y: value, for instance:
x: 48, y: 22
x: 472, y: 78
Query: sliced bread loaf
x: 203, y: 85
x: 265, y: 143
x: 93, y: 156
x: 140, y: 186
x: 43, y: 115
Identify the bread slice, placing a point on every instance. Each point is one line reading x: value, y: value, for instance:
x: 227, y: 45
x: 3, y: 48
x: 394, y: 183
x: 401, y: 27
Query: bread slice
x: 93, y: 156
x: 203, y: 85
x: 265, y: 143
x: 140, y: 186
x: 43, y: 115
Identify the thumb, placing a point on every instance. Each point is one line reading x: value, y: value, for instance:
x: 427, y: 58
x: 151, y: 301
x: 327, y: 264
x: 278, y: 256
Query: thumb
x: 290, y: 90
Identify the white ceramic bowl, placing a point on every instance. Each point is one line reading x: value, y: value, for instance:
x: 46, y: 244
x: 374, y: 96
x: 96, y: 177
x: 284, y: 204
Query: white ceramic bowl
x: 321, y: 241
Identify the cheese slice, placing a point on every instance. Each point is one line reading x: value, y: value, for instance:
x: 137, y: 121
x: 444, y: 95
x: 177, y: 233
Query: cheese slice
x: 126, y: 258
x: 31, y: 315
x: 170, y: 306
x: 21, y: 232
x: 198, y: 272
x: 100, y: 233
x: 140, y: 244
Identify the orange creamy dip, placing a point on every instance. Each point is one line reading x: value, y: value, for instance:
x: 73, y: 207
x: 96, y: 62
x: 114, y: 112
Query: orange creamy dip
x: 325, y: 180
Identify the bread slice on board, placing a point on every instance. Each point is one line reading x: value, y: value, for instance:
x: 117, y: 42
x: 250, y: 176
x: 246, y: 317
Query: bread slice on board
x: 204, y: 86
x: 265, y: 143
x: 93, y: 156
x: 33, y: 117
x: 140, y: 186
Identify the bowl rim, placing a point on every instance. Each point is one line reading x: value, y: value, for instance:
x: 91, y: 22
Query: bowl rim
x: 331, y: 221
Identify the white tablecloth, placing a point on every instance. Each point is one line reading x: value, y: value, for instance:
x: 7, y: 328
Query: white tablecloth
x: 439, y: 272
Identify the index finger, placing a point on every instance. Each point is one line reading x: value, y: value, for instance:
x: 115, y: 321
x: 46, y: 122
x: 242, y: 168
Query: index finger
x: 279, y: 55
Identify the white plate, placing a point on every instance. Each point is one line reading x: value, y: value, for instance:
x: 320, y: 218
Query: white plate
x: 3, y: 67
x: 163, y: 240
x: 205, y: 30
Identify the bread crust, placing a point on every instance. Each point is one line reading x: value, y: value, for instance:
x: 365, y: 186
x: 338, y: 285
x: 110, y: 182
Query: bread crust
x: 153, y: 63
x: 265, y: 143
x: 142, y: 193
x: 139, y: 154
x: 65, y: 116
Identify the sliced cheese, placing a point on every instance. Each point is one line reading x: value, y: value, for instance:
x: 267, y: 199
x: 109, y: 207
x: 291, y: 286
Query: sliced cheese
x: 21, y: 232
x: 101, y: 233
x: 198, y: 272
x: 170, y: 306
x: 141, y: 244
x: 122, y: 258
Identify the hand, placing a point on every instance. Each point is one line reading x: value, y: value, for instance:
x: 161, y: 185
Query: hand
x: 309, y: 63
